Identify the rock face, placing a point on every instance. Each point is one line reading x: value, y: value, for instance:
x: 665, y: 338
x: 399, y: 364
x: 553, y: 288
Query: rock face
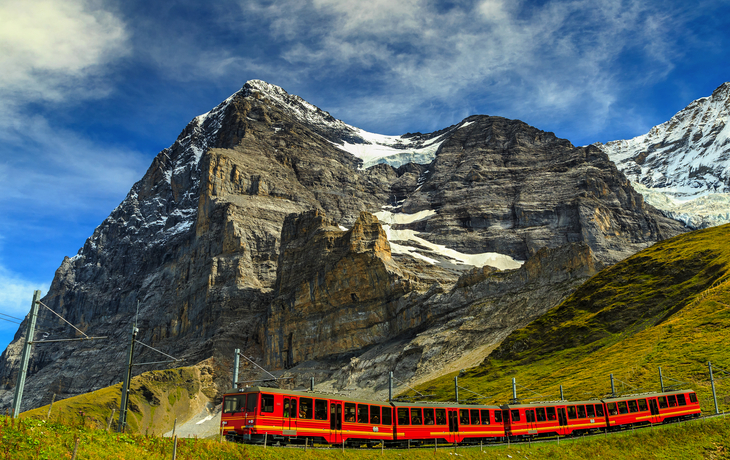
x: 683, y: 166
x: 232, y: 239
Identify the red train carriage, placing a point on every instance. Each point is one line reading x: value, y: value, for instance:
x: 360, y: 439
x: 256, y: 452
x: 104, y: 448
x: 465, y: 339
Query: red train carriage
x: 561, y: 418
x: 428, y: 423
x: 287, y: 416
x: 646, y: 409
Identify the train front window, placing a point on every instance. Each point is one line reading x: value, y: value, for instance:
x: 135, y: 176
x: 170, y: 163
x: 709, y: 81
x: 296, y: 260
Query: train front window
x: 692, y: 397
x: 306, y: 409
x: 234, y: 404
x: 440, y: 416
x: 403, y: 416
x: 252, y: 402
x: 642, y: 405
x: 267, y: 403
x: 320, y: 409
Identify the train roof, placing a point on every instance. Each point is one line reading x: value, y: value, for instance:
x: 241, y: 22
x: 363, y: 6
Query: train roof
x: 550, y: 404
x: 303, y: 394
x: 450, y: 405
x: 645, y: 395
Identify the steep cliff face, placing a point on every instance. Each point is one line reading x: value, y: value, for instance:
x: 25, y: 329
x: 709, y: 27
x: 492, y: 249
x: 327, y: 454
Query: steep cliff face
x: 197, y: 243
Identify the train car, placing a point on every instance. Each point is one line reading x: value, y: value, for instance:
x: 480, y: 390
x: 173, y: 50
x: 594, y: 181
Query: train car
x: 254, y: 414
x: 430, y: 423
x: 651, y: 408
x: 559, y: 418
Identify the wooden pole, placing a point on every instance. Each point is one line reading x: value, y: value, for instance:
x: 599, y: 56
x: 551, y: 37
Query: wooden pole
x: 76, y: 449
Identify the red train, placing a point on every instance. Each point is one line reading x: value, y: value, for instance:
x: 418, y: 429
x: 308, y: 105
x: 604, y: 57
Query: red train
x: 289, y: 417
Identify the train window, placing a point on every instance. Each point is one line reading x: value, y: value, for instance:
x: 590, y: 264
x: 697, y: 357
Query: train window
x: 642, y: 405
x: 590, y: 411
x: 362, y: 413
x: 267, y: 403
x: 633, y: 406
x: 234, y: 404
x: 571, y: 412
x: 305, y: 408
x: 515, y: 415
x: 349, y: 412
x: 286, y: 407
x: 416, y: 416
x: 252, y: 402
x: 662, y: 402
x: 428, y: 416
x: 530, y: 416
x: 440, y: 416
x: 485, y: 417
x: 387, y: 416
x: 320, y: 409
x: 612, y: 409
x: 622, y: 408
x: 474, y: 416
x: 375, y: 415
x: 692, y: 397
x: 540, y: 414
x: 672, y: 401
x: 581, y: 411
x: 464, y: 416
x: 293, y: 408
x: 550, y: 413
x: 497, y: 416
x: 403, y: 416
x: 681, y: 399
x: 599, y: 410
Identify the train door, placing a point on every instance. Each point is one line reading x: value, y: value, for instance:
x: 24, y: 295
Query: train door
x: 335, y: 421
x: 531, y: 423
x: 654, y: 409
x: 562, y: 421
x: 289, y: 421
x: 453, y: 425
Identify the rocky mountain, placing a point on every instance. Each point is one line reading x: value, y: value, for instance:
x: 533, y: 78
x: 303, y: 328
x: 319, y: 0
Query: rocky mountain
x: 683, y: 166
x: 322, y: 250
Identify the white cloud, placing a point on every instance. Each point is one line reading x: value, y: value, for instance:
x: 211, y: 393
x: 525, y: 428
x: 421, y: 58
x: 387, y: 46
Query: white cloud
x: 16, y: 295
x: 50, y: 50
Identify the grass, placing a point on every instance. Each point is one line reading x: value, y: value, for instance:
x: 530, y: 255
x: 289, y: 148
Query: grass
x: 29, y: 438
x: 156, y: 399
x: 667, y: 306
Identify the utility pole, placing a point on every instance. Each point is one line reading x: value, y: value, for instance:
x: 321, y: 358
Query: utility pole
x: 661, y: 378
x: 613, y: 388
x: 236, y: 361
x: 456, y: 388
x: 390, y: 386
x: 25, y: 358
x: 127, y: 378
x: 514, y: 391
x: 562, y: 398
x: 712, y: 382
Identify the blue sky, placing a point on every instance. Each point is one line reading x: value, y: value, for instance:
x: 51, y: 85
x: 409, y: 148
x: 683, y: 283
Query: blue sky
x: 91, y: 91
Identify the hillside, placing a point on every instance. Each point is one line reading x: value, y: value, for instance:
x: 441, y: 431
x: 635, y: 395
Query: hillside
x: 667, y: 306
x: 156, y: 399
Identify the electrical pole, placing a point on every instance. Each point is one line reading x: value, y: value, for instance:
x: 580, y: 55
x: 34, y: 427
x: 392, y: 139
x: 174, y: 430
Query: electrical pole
x: 661, y: 378
x: 127, y: 380
x: 514, y: 391
x: 613, y: 388
x: 562, y: 398
x: 456, y: 388
x: 712, y: 382
x: 25, y: 358
x: 390, y: 386
x: 236, y: 361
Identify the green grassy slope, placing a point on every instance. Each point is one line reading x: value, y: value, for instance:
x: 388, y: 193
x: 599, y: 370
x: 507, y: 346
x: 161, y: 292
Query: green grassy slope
x: 157, y: 398
x: 31, y: 439
x: 667, y: 306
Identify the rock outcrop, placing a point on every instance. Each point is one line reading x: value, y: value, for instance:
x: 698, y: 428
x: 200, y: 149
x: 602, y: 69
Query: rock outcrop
x: 209, y: 245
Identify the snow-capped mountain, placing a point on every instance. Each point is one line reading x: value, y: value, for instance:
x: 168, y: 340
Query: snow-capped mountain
x: 682, y: 166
